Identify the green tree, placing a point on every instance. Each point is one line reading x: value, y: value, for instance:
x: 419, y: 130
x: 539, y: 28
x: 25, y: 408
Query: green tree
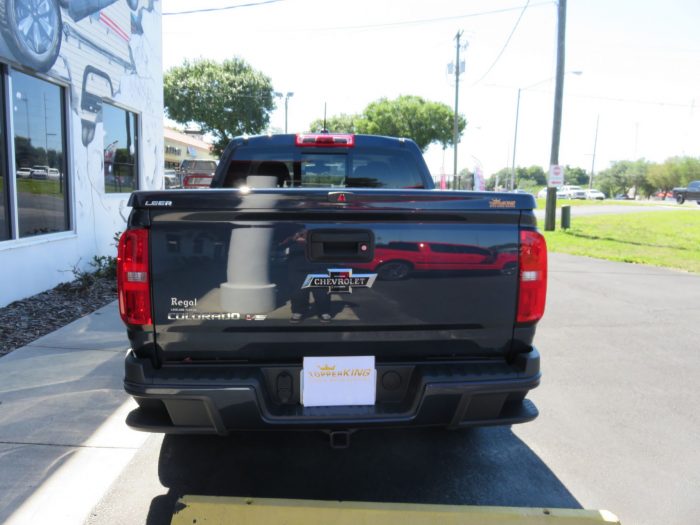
x: 499, y: 180
x: 575, y: 176
x: 662, y: 178
x: 622, y: 176
x: 423, y: 121
x: 225, y: 99
x: 343, y: 123
x: 530, y: 178
x: 464, y: 180
x: 687, y: 169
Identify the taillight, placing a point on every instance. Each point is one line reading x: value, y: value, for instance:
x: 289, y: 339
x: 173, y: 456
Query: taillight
x: 133, y: 279
x: 197, y: 180
x: 325, y: 140
x: 532, y: 286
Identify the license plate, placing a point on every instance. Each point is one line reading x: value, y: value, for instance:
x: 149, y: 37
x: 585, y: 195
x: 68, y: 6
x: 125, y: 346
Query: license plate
x: 338, y: 381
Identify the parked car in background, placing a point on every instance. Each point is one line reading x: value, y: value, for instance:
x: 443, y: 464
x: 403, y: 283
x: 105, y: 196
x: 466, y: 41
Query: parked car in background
x: 691, y: 193
x: 571, y: 192
x: 523, y: 192
x: 39, y: 172
x: 197, y: 173
x: 542, y: 194
x: 24, y: 173
x: 663, y: 195
x: 596, y: 195
x: 171, y: 180
x: 623, y: 197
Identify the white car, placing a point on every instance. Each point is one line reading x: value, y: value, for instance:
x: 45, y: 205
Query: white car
x: 542, y: 194
x: 595, y: 195
x: 571, y: 192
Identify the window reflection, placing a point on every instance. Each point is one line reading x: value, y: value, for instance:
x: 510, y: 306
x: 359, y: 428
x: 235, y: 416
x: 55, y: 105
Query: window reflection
x: 4, y: 216
x: 42, y: 195
x: 120, y: 149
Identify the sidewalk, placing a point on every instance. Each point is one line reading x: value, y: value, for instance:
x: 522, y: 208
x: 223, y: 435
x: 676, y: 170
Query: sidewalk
x: 62, y: 434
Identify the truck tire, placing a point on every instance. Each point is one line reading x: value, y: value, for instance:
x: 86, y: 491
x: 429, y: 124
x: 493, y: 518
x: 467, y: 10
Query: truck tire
x: 394, y: 270
x: 680, y: 199
x: 33, y: 36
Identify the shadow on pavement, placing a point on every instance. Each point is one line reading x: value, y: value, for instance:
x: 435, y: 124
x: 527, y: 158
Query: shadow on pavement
x: 485, y: 466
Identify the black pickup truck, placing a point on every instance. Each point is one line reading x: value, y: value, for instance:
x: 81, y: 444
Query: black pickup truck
x: 691, y: 193
x: 273, y: 300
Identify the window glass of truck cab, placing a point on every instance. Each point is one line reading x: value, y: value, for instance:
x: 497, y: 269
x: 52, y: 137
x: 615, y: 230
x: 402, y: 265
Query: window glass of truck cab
x: 374, y: 169
x: 120, y: 149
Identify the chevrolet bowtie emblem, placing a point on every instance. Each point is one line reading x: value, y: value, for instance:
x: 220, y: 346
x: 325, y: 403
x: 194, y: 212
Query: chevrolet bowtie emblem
x: 340, y: 280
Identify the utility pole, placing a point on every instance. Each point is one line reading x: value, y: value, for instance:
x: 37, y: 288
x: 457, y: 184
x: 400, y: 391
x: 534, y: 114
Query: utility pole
x: 551, y: 206
x: 455, y: 137
x: 595, y: 146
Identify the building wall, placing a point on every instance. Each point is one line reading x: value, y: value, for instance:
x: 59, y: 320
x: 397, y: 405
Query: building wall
x: 107, y: 59
x: 180, y: 146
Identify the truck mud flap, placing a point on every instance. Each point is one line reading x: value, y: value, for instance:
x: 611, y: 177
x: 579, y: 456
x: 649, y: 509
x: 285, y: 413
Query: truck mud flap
x: 230, y: 510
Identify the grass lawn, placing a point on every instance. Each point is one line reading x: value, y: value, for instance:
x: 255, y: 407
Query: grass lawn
x: 38, y: 186
x: 669, y: 239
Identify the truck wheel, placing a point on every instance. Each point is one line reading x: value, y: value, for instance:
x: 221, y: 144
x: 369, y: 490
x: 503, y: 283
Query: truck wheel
x: 394, y: 271
x: 33, y: 31
x: 680, y: 199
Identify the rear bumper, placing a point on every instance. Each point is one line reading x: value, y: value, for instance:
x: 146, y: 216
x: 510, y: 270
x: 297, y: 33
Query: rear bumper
x: 216, y: 399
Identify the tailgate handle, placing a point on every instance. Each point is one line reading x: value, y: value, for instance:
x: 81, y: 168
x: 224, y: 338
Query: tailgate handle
x: 341, y: 246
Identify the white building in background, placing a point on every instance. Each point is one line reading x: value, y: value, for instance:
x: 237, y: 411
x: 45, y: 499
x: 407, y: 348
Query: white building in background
x: 81, y: 126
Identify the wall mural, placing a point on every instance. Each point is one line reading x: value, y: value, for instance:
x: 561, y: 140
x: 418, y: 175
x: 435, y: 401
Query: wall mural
x: 92, y: 44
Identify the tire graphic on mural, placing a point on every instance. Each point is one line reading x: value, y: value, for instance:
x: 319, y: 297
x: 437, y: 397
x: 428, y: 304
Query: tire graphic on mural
x: 32, y: 30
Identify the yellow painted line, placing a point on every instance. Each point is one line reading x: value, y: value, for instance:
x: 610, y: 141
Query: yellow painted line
x: 210, y: 510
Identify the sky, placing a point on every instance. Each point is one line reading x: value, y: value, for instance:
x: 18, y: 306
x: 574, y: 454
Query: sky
x: 639, y: 64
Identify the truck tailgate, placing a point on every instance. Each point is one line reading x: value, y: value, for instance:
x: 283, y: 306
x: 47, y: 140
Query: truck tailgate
x: 274, y: 275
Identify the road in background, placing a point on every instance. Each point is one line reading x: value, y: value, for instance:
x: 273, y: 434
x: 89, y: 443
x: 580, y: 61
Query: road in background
x: 612, y: 209
x: 618, y: 426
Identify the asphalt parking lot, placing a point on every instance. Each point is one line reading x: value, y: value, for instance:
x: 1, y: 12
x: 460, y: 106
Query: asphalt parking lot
x: 617, y: 430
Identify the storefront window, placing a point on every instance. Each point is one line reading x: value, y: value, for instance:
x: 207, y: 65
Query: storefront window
x: 4, y: 190
x: 42, y: 195
x: 120, y: 149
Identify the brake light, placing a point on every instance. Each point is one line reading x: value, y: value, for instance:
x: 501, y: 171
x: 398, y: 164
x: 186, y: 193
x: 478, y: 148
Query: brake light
x: 133, y: 281
x: 197, y: 180
x: 325, y: 140
x: 532, y: 286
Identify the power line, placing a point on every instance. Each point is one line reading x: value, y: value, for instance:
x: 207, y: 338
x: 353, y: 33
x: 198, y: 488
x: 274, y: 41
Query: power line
x: 500, y: 54
x: 419, y: 21
x: 431, y: 20
x: 369, y: 26
x: 224, y: 8
x: 600, y: 97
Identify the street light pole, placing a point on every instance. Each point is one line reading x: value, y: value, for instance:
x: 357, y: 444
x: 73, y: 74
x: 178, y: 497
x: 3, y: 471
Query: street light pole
x: 515, y: 140
x: 517, y: 116
x: 286, y: 108
x: 595, y: 146
x: 289, y: 95
x: 455, y: 137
